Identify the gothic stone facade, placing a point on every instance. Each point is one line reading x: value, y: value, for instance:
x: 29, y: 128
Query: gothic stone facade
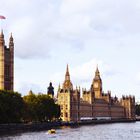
x: 94, y: 104
x: 6, y: 63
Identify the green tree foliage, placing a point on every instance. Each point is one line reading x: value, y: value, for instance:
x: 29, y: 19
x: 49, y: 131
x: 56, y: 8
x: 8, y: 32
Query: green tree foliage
x: 40, y: 108
x: 137, y: 109
x: 30, y: 108
x: 31, y: 104
x: 11, y: 107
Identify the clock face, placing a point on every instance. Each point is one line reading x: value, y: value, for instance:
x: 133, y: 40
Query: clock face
x: 96, y: 85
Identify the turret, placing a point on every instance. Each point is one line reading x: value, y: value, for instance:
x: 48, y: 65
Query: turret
x: 30, y: 92
x: 2, y: 62
x: 128, y: 102
x: 50, y: 91
x: 11, y: 48
x: 11, y: 42
x: 2, y: 41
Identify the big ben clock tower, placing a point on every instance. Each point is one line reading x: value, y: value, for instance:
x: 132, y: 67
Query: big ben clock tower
x: 97, y: 84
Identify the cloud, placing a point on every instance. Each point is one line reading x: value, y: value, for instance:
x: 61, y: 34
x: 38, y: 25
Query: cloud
x: 40, y: 26
x: 75, y: 31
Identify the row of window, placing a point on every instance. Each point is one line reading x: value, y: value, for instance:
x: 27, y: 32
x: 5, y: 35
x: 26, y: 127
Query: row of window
x: 64, y: 114
x: 65, y: 106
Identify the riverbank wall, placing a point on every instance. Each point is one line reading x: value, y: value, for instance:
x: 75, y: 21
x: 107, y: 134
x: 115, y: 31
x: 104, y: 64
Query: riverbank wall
x: 20, y: 127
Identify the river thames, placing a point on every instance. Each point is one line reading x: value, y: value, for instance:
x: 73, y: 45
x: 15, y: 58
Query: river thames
x: 116, y: 131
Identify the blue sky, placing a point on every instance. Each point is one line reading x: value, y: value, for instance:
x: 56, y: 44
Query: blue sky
x: 48, y: 34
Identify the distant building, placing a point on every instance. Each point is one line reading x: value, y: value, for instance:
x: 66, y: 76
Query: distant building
x: 94, y: 104
x: 6, y: 63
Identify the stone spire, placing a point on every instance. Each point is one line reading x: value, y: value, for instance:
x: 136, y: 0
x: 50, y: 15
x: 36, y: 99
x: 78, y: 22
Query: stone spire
x: 11, y: 43
x: 30, y: 92
x: 67, y: 75
x: 2, y: 42
x: 97, y: 74
x: 1, y: 34
x: 67, y: 83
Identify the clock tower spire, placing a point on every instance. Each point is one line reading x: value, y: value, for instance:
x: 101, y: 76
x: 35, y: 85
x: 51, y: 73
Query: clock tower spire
x: 97, y: 84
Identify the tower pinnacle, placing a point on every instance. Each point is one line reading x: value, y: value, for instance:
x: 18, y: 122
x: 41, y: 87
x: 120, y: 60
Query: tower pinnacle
x: 67, y: 75
x: 97, y: 73
x: 11, y: 43
x: 67, y: 83
x: 11, y: 37
x: 2, y: 42
x: 1, y: 32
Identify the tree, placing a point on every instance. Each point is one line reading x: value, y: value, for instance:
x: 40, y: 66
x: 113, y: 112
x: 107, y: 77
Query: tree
x: 40, y: 108
x: 30, y: 109
x: 57, y: 111
x: 11, y: 107
x: 137, y: 109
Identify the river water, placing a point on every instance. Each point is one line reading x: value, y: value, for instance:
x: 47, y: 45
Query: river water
x: 116, y: 131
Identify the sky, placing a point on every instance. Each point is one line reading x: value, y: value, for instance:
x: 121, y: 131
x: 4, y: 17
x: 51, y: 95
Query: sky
x: 49, y: 34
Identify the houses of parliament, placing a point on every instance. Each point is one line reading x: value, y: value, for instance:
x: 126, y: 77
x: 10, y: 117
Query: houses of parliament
x: 93, y: 104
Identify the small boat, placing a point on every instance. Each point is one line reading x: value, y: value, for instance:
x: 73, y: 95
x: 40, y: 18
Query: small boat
x: 51, y: 131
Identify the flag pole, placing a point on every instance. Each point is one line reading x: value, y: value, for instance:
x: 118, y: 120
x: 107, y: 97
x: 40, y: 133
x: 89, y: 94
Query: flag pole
x: 1, y: 18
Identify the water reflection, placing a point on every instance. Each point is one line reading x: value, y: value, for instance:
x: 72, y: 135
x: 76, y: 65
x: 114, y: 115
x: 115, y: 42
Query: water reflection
x: 118, y: 131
